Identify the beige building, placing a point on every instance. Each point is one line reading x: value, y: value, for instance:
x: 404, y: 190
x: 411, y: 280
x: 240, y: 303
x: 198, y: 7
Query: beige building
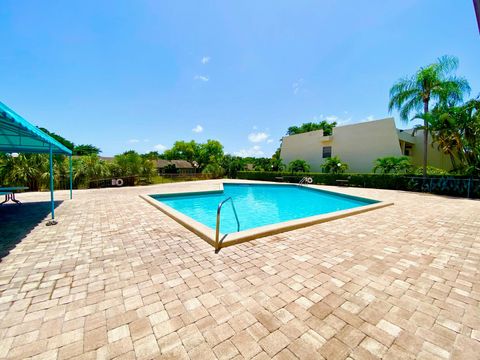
x: 359, y: 145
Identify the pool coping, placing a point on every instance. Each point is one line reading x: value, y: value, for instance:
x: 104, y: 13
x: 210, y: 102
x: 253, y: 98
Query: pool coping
x: 208, y: 234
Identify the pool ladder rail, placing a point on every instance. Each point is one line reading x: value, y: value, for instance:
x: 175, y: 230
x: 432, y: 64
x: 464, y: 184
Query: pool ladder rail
x: 305, y: 180
x: 217, y: 228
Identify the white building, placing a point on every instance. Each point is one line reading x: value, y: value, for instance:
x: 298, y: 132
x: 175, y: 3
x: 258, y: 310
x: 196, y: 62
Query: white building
x: 359, y: 145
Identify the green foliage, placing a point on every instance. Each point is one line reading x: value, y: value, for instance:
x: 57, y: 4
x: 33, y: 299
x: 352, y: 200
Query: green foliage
x: 298, y: 166
x: 67, y: 143
x: 204, y: 154
x: 431, y: 170
x: 393, y: 165
x: 86, y: 149
x: 434, y: 82
x: 24, y: 170
x: 334, y: 165
x: 152, y: 155
x: 451, y: 185
x: 456, y: 132
x: 210, y: 152
x: 232, y: 165
x: 183, y: 150
x: 128, y: 164
x: 310, y: 126
x: 89, y: 168
x: 214, y: 170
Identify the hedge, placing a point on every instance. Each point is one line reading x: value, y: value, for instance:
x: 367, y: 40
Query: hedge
x: 438, y: 184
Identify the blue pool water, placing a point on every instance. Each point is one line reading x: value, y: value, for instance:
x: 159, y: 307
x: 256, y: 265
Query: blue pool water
x: 259, y: 205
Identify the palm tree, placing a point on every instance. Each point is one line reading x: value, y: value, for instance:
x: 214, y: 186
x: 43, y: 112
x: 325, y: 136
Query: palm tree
x: 431, y: 83
x: 334, y: 165
x: 90, y: 167
x: 393, y: 164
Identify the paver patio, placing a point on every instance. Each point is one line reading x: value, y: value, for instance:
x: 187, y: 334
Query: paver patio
x: 116, y: 278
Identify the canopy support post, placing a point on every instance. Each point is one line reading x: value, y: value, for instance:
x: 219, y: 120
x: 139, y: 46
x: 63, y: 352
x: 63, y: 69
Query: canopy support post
x: 52, y: 200
x: 70, y: 158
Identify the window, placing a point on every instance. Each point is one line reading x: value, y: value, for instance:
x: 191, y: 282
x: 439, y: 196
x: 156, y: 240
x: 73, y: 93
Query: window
x: 327, y: 152
x: 408, y: 150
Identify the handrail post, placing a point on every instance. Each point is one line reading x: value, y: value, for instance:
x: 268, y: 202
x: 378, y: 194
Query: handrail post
x: 217, y: 227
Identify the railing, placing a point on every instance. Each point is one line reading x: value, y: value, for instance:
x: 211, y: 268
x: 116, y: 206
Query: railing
x: 305, y: 180
x: 467, y: 187
x: 217, y: 228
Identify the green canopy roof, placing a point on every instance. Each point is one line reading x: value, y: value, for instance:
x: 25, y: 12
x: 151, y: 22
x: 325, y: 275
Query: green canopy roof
x: 18, y: 135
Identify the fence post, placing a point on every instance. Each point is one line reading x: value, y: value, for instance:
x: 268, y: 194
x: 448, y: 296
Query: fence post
x: 468, y: 187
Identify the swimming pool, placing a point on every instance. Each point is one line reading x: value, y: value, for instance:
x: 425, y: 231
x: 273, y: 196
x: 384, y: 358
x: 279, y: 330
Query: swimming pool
x: 261, y: 209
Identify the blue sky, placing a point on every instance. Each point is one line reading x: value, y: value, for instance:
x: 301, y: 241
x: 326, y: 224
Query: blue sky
x: 141, y: 74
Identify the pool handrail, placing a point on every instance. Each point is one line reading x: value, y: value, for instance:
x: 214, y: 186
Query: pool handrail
x: 217, y: 227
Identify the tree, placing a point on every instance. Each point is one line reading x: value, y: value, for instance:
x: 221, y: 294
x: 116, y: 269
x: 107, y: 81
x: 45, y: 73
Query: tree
x: 334, y: 165
x: 67, y: 143
x: 214, y: 170
x: 90, y: 167
x: 183, y: 150
x: 298, y: 166
x: 129, y: 163
x: 24, y: 170
x: 310, y: 126
x: 232, y: 165
x: 152, y: 155
x: 210, y: 152
x: 276, y: 161
x: 456, y: 132
x: 393, y: 164
x: 86, y: 149
x: 431, y: 83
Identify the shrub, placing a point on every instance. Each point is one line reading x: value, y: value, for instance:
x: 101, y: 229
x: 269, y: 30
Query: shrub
x: 431, y: 170
x: 334, y: 165
x: 298, y: 166
x: 451, y: 185
x: 393, y: 164
x: 214, y: 170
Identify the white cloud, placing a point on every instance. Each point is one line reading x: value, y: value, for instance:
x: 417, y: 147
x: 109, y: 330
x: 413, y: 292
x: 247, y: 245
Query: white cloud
x: 146, y: 140
x: 340, y: 120
x: 332, y: 118
x: 297, y: 86
x: 343, y: 120
x: 201, y: 78
x: 255, y: 150
x: 160, y: 147
x: 205, y: 60
x: 258, y: 137
x: 133, y: 141
x: 368, y: 118
x: 269, y: 141
x: 198, y: 129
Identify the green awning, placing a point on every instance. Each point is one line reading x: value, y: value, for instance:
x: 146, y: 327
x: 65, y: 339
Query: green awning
x: 18, y: 135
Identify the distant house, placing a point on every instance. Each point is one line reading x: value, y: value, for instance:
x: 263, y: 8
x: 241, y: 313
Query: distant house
x: 174, y: 167
x: 106, y: 158
x: 249, y: 167
x: 359, y: 145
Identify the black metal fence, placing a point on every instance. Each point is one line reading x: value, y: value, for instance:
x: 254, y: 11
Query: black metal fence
x: 469, y: 188
x: 460, y: 186
x: 113, y: 182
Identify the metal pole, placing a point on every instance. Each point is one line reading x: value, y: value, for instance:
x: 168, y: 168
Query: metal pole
x: 51, y: 184
x: 71, y: 177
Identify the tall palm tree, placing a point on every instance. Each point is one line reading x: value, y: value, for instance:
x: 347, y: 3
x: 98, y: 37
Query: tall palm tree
x: 434, y: 82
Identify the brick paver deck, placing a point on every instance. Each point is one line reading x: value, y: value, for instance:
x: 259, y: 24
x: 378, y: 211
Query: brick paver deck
x: 116, y: 278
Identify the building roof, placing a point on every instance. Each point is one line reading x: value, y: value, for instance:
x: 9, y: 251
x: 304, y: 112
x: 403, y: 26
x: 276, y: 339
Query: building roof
x: 179, y: 164
x: 336, y: 128
x: 18, y: 135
